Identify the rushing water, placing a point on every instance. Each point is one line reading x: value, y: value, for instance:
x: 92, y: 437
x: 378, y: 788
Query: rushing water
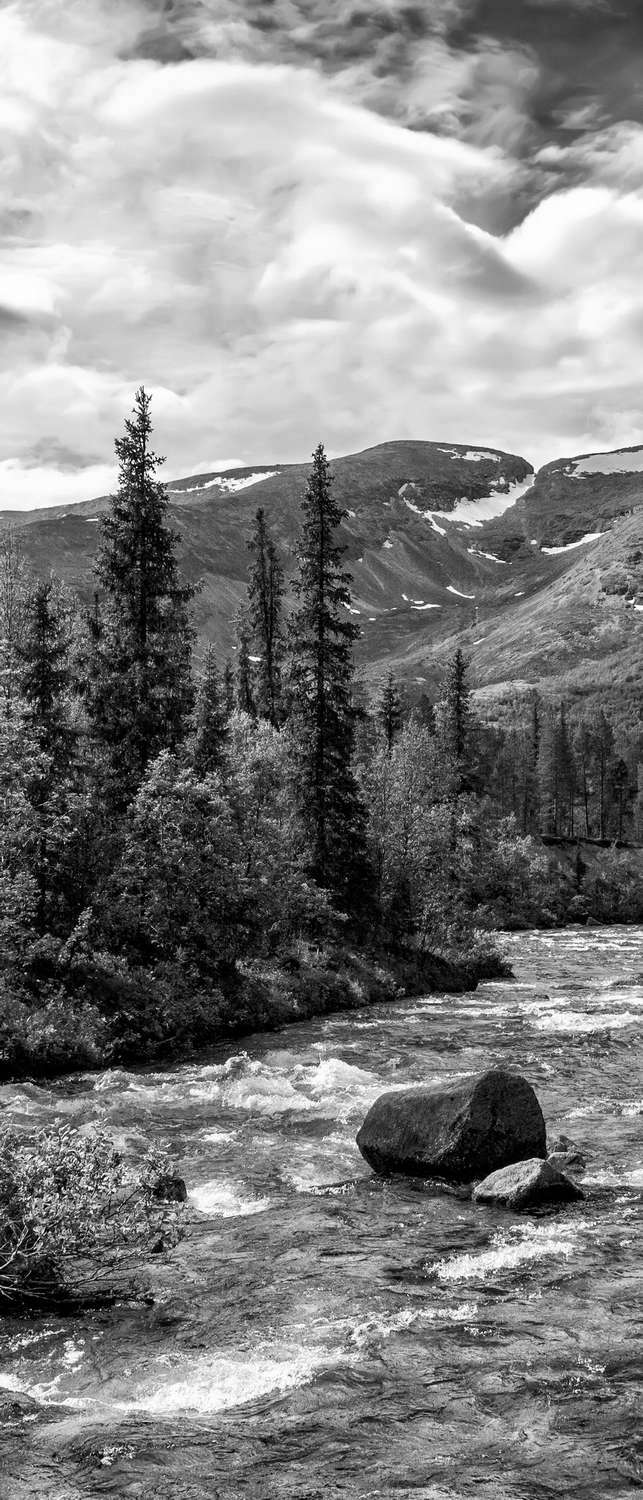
x: 322, y: 1333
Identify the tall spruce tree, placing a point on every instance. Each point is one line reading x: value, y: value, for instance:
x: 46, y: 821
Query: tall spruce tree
x: 228, y: 687
x: 14, y: 596
x: 45, y: 678
x: 265, y: 607
x: 454, y: 722
x: 549, y: 781
x: 210, y: 733
x: 389, y: 711
x: 530, y: 767
x: 140, y: 690
x: 45, y: 684
x: 323, y: 713
x: 245, y: 673
x: 602, y: 735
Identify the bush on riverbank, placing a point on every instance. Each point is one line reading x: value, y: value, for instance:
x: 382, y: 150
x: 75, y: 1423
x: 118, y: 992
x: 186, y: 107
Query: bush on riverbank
x: 75, y: 1218
x: 152, y: 1015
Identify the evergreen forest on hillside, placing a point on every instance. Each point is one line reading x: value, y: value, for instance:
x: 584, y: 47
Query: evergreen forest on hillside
x: 190, y: 848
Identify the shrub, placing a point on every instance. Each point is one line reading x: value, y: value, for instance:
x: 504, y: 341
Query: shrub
x: 75, y: 1217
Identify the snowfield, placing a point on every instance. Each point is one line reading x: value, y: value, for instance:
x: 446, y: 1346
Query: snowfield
x: 472, y: 455
x: 470, y: 512
x: 228, y: 485
x: 621, y: 461
x: 476, y: 552
x: 451, y: 590
x: 476, y: 512
x: 590, y: 536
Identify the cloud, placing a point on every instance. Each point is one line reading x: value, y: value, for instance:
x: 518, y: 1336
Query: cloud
x: 261, y: 239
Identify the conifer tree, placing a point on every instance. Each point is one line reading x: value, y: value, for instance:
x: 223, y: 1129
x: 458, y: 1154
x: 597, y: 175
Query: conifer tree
x: 228, y: 687
x: 14, y: 594
x: 245, y: 684
x: 46, y: 676
x: 140, y: 691
x: 265, y: 605
x: 389, y: 711
x: 549, y: 774
x: 208, y: 744
x: 454, y: 721
x: 323, y: 714
x: 556, y: 774
x: 45, y: 686
x: 566, y: 770
x: 603, y: 754
x: 530, y: 782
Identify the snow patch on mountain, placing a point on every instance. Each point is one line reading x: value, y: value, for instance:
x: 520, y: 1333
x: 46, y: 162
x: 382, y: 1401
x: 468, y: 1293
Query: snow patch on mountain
x: 477, y: 552
x: 472, y: 455
x: 427, y: 515
x: 488, y: 507
x: 229, y: 485
x: 451, y: 590
x: 621, y: 461
x: 590, y: 536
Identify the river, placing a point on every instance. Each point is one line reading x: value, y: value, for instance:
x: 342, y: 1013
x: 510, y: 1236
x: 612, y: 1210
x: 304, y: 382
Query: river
x: 325, y: 1334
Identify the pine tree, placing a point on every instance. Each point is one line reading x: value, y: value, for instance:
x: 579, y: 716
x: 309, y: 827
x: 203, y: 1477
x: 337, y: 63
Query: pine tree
x: 245, y: 677
x: 323, y: 714
x: 228, y: 687
x: 603, y: 755
x: 265, y: 605
x: 389, y: 711
x: 46, y: 694
x: 454, y: 722
x: 140, y: 691
x: 567, y: 771
x: 46, y: 676
x: 556, y: 774
x: 14, y: 595
x: 530, y: 767
x: 209, y: 738
x: 549, y: 774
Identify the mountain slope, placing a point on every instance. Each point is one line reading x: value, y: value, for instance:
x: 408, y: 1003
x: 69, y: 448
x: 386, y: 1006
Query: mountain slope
x: 539, y: 576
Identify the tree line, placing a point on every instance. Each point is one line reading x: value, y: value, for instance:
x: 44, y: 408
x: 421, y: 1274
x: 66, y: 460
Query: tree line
x: 170, y: 837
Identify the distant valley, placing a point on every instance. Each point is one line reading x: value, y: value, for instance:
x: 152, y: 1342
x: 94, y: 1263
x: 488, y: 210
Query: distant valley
x: 539, y: 576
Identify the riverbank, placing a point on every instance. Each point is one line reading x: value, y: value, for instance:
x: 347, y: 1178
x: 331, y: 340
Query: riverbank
x: 153, y: 1026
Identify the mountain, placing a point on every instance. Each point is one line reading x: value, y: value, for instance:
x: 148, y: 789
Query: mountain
x: 539, y: 576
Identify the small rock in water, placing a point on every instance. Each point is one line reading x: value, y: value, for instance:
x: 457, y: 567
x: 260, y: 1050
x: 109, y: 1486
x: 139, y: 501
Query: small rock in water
x: 573, y: 1161
x: 457, y: 1131
x: 526, y: 1183
x: 563, y: 1152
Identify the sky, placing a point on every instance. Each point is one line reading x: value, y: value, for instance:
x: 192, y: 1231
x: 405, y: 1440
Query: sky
x: 302, y: 220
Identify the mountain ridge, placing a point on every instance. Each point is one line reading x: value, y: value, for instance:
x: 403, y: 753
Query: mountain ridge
x: 538, y: 574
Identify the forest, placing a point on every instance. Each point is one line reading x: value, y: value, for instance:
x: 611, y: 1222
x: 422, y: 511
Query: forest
x: 191, y: 848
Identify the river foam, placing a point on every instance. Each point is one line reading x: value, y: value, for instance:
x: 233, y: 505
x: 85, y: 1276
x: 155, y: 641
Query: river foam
x: 509, y: 1250
x: 217, y: 1384
x: 224, y: 1200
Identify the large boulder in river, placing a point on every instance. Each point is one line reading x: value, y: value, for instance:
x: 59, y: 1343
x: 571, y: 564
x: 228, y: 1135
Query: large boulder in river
x: 525, y: 1184
x: 459, y: 1130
